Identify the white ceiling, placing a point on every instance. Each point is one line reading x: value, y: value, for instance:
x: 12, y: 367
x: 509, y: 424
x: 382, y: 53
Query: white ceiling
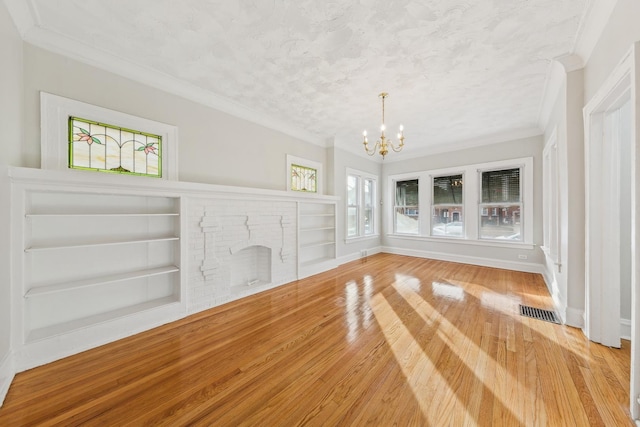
x: 456, y: 70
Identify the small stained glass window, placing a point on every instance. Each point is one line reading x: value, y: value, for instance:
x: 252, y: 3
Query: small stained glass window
x: 303, y: 178
x: 107, y: 148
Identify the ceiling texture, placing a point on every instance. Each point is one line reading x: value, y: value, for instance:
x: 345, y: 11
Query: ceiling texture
x: 455, y: 70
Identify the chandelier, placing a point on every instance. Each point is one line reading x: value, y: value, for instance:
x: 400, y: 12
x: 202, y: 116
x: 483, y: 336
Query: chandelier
x: 383, y: 143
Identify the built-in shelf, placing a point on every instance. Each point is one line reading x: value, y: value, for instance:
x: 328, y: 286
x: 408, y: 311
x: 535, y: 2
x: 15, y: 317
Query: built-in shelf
x: 92, y: 256
x: 33, y: 215
x: 63, y: 328
x: 314, y: 244
x: 316, y: 236
x: 103, y: 280
x: 318, y: 228
x: 316, y: 261
x: 102, y: 243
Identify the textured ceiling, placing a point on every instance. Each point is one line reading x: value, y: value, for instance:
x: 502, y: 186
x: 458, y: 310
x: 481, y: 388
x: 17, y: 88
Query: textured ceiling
x: 455, y: 69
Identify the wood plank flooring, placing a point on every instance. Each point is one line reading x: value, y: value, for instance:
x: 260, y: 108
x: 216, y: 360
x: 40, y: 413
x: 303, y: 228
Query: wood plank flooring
x: 389, y: 340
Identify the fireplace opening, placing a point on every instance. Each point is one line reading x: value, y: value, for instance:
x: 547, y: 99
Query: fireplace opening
x: 251, y: 266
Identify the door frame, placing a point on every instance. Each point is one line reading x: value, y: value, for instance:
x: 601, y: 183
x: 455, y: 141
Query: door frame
x: 602, y: 234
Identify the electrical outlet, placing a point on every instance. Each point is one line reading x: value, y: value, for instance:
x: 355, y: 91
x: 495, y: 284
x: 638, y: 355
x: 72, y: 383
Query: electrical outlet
x: 521, y: 256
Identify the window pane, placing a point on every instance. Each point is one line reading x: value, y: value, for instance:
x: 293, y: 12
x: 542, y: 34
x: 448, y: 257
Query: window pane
x: 406, y: 212
x: 501, y: 186
x: 447, y: 189
x: 500, y: 222
x: 107, y: 148
x: 352, y: 221
x: 406, y: 220
x: 303, y: 178
x: 407, y: 193
x: 352, y: 190
x: 368, y: 206
x: 447, y: 220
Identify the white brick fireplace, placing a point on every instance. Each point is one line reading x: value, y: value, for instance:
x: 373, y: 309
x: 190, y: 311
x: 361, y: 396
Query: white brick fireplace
x: 240, y: 247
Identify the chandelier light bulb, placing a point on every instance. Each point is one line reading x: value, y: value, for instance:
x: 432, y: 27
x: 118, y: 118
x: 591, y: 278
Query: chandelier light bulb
x: 383, y: 144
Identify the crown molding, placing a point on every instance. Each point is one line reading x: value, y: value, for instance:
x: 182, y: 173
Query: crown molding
x: 408, y: 153
x: 497, y: 138
x: 593, y: 21
x: 25, y: 17
x: 592, y: 24
x: 554, y: 82
x: 23, y: 14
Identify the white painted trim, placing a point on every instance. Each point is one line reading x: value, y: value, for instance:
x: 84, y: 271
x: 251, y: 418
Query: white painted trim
x: 465, y: 259
x: 357, y: 255
x: 461, y: 241
x: 79, y: 180
x: 351, y: 240
x: 602, y: 235
x: 54, y: 117
x: 376, y: 205
x: 23, y: 14
x: 574, y: 317
x: 592, y: 24
x: 625, y: 329
x: 471, y: 203
x: 555, y: 80
x: 7, y: 372
x: 451, y: 146
x: 37, y: 353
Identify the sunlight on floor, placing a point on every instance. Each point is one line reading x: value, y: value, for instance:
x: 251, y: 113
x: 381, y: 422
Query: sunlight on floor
x: 419, y: 367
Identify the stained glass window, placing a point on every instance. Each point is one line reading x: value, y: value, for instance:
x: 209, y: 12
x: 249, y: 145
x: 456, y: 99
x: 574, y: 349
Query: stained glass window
x: 107, y: 148
x: 303, y: 178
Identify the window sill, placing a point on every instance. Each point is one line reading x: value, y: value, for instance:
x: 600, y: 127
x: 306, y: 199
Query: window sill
x: 486, y: 243
x: 361, y: 238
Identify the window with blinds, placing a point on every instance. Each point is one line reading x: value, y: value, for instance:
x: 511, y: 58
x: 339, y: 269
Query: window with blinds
x: 501, y: 205
x: 447, y: 206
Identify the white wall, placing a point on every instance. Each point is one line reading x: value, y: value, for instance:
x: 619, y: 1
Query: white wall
x: 622, y: 30
x: 10, y: 138
x: 342, y: 160
x: 498, y: 256
x: 567, y: 280
x: 214, y: 147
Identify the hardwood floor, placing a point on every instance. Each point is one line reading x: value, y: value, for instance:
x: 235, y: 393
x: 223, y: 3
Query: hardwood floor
x: 389, y: 340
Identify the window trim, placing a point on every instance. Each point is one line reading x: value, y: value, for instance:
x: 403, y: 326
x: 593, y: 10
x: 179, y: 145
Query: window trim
x: 306, y: 163
x: 471, y: 196
x: 432, y: 205
x: 361, y: 176
x: 392, y: 197
x: 54, y: 142
x: 482, y: 205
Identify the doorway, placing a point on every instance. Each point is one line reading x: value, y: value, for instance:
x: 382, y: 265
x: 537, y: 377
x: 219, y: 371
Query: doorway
x: 611, y: 300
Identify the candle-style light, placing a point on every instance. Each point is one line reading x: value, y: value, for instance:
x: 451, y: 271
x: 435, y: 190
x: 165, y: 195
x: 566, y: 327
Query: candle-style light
x: 382, y: 145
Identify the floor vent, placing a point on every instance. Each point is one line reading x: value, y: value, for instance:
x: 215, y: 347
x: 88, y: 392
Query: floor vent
x: 540, y: 314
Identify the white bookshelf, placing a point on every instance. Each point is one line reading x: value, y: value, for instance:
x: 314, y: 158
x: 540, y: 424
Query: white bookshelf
x: 316, y: 236
x: 90, y: 258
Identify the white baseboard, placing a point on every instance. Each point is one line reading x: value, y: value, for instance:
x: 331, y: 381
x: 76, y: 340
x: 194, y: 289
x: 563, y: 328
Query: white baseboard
x: 526, y: 267
x: 358, y: 255
x: 47, y: 350
x: 625, y: 329
x: 574, y: 317
x: 554, y: 291
x: 7, y: 372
